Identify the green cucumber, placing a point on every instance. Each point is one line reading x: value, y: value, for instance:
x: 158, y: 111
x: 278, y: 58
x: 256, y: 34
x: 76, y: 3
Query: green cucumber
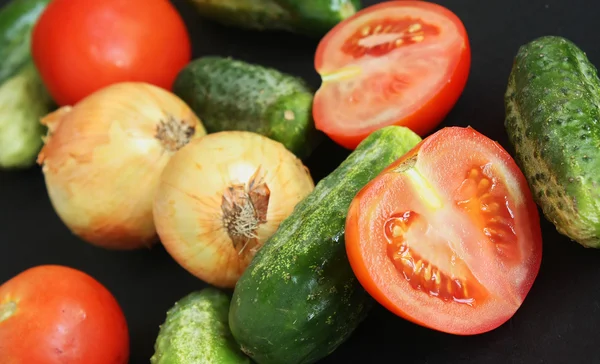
x: 229, y: 94
x: 17, y: 19
x: 23, y: 101
x: 299, y: 300
x: 553, y: 122
x: 196, y: 331
x: 23, y: 97
x: 309, y: 17
x: 317, y: 17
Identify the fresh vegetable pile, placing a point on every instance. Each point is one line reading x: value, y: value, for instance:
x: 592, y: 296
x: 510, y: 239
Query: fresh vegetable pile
x: 139, y: 144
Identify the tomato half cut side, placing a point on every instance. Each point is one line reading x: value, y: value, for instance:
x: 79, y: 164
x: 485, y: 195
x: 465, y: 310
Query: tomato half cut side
x: 398, y: 62
x: 448, y: 236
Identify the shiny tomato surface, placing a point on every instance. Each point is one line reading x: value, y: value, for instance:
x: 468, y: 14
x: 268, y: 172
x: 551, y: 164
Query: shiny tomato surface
x: 82, y: 46
x: 53, y: 314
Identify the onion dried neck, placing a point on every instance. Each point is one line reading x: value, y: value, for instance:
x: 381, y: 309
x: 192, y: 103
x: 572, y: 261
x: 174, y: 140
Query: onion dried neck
x: 174, y: 134
x: 244, y: 208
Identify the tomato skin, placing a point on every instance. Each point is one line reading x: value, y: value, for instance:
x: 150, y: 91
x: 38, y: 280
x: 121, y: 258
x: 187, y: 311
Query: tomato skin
x: 82, y: 46
x: 368, y: 263
x: 62, y: 316
x: 423, y: 120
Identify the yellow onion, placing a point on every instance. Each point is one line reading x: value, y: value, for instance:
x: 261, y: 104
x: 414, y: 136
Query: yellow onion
x: 103, y: 157
x: 221, y: 197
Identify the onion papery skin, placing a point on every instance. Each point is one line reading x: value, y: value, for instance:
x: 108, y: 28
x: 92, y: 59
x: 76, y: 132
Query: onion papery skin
x: 189, y: 211
x: 102, y: 161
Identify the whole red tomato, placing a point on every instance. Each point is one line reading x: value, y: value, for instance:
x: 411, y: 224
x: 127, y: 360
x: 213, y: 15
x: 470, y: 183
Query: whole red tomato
x: 82, y: 46
x: 53, y: 314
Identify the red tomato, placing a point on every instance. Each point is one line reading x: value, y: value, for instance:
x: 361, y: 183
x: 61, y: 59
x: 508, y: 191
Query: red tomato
x: 448, y: 236
x: 58, y: 315
x: 398, y: 62
x: 82, y: 46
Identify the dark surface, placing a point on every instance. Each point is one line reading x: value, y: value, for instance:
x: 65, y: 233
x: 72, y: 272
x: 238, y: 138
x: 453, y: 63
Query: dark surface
x: 557, y: 322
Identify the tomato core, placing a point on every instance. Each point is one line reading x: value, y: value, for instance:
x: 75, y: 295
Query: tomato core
x: 378, y: 38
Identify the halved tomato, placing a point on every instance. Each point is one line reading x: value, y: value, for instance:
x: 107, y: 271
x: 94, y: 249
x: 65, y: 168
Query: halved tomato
x: 398, y: 62
x: 448, y: 236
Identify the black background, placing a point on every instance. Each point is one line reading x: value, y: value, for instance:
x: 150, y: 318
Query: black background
x: 557, y: 322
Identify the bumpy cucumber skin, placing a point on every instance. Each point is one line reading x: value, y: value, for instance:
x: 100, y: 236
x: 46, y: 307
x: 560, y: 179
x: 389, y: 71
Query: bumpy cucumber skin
x: 196, y: 331
x: 299, y: 300
x: 553, y: 122
x: 251, y: 14
x: 17, y: 19
x: 308, y: 17
x: 317, y: 17
x: 229, y: 94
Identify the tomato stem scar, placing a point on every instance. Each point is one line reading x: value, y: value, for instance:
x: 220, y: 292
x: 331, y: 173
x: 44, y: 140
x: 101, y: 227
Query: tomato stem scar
x: 7, y: 310
x: 407, y: 164
x: 347, y: 9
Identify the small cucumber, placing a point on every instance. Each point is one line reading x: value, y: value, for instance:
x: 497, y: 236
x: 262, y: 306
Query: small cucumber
x: 553, y: 122
x: 23, y: 101
x: 309, y: 17
x: 17, y: 19
x: 229, y: 94
x: 299, y: 300
x: 23, y: 97
x: 317, y: 17
x: 196, y: 331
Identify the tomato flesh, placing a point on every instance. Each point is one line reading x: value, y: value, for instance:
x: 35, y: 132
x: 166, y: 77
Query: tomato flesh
x: 55, y: 314
x: 448, y: 236
x: 435, y: 276
x: 399, y: 62
x: 480, y: 196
